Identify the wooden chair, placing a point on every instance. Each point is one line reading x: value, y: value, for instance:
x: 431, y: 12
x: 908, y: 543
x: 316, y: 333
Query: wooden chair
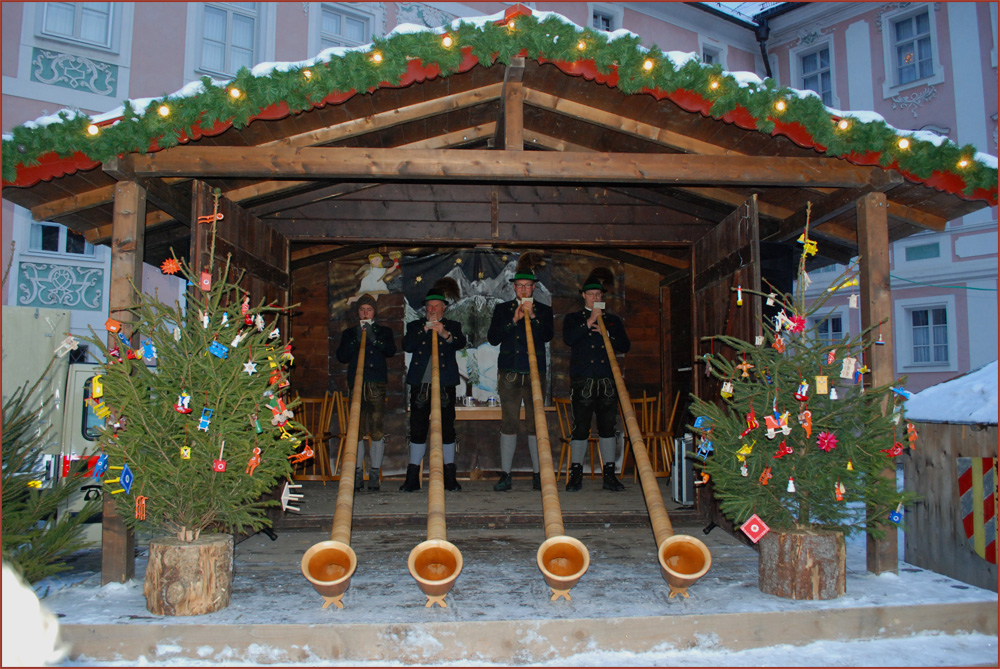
x: 315, y: 413
x: 648, y: 414
x: 564, y: 412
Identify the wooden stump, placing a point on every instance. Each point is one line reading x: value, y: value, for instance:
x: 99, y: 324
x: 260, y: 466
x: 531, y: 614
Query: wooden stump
x: 803, y: 565
x: 189, y: 579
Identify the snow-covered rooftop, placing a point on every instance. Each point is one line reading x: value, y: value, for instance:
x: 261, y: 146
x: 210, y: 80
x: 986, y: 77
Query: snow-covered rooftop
x: 970, y: 398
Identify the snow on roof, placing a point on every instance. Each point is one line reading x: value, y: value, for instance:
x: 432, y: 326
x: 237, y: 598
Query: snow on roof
x: 678, y: 58
x: 970, y: 398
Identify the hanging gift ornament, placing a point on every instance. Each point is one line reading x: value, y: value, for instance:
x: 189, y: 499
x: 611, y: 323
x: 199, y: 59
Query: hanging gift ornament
x: 205, y: 283
x: 791, y: 484
x: 727, y: 389
x: 219, y: 465
x: 852, y: 300
x: 770, y: 299
x: 897, y: 515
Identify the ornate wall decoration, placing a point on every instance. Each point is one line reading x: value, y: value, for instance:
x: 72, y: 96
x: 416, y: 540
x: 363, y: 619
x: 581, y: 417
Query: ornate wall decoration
x: 47, y: 285
x: 421, y: 14
x: 896, y: 5
x: 809, y: 36
x: 75, y: 72
x: 914, y: 101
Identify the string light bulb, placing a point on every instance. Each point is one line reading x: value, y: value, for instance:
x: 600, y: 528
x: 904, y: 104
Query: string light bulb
x: 307, y: 74
x: 447, y: 41
x: 164, y: 110
x: 647, y: 65
x: 92, y: 129
x: 844, y: 124
x: 376, y: 57
x: 903, y: 143
x: 511, y: 25
x: 581, y: 45
x: 963, y: 163
x: 235, y: 92
x: 714, y: 85
x: 780, y: 105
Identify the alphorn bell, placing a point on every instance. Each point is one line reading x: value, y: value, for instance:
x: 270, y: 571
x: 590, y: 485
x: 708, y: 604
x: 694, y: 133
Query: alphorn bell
x: 563, y: 560
x: 435, y: 563
x: 330, y: 564
x: 683, y: 559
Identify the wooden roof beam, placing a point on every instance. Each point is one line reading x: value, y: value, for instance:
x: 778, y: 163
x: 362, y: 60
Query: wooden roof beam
x: 396, y: 164
x: 175, y: 203
x: 510, y: 120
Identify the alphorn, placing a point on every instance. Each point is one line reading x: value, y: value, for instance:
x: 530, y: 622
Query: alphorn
x: 435, y: 563
x: 329, y: 565
x: 683, y: 559
x: 562, y: 560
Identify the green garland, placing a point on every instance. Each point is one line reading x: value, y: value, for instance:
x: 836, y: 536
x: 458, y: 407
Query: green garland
x: 551, y: 39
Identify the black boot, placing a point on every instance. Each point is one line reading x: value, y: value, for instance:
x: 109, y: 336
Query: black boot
x: 504, y: 484
x: 611, y: 481
x: 575, y: 478
x: 373, y: 479
x: 450, y: 481
x: 359, y: 479
x: 412, y: 481
x: 536, y: 481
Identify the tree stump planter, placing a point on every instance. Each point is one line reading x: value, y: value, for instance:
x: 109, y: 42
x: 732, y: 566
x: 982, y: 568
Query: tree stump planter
x: 189, y: 578
x: 803, y: 565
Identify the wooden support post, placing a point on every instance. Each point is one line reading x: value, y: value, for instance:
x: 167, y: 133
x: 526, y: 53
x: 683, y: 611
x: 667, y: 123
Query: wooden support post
x: 513, y: 101
x: 876, y: 306
x: 128, y: 232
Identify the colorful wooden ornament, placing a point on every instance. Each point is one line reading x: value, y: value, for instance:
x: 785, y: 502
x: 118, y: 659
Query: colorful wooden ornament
x: 68, y: 344
x: 183, y: 404
x: 852, y: 301
x: 254, y: 461
x: 124, y: 339
x: 791, y: 484
x: 911, y: 434
x: 833, y: 394
x: 204, y: 318
x: 739, y: 296
x: 218, y: 350
x: 806, y: 421
x: 205, y: 283
x: 745, y: 368
x: 236, y: 340
x: 752, y: 423
x: 897, y: 449
x: 783, y: 450
x: 225, y: 319
x: 258, y: 323
x: 113, y: 326
x: 838, y: 491
x: 219, y: 465
x: 744, y: 451
x: 765, y: 476
x: 250, y: 367
x: 758, y: 340
x: 774, y: 425
x: 850, y: 466
x: 148, y: 350
x: 206, y: 418
x: 140, y: 507
x: 287, y: 496
x: 826, y: 441
x: 727, y: 389
x: 125, y: 480
x: 274, y: 334
x: 901, y: 391
x: 770, y: 299
x: 755, y: 528
x: 744, y: 472
x: 779, y: 344
x: 831, y: 356
x: 306, y: 453
x: 101, y: 466
x: 897, y: 515
x: 802, y: 392
x: 185, y: 452
x: 256, y: 424
x: 847, y: 368
x: 705, y: 449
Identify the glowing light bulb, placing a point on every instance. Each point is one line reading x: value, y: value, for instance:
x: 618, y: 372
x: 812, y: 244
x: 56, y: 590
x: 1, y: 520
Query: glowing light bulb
x: 447, y: 41
x: 843, y: 125
x: 235, y: 93
x: 780, y: 105
x: 647, y: 65
x: 376, y: 57
x: 581, y: 45
x: 307, y: 74
x: 511, y: 24
x: 164, y: 110
x: 904, y: 143
x: 92, y: 129
x: 963, y: 163
x: 714, y: 85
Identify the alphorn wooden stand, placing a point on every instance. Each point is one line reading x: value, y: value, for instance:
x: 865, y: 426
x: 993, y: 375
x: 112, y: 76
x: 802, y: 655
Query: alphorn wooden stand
x: 435, y: 563
x: 563, y: 560
x: 683, y: 559
x: 330, y: 564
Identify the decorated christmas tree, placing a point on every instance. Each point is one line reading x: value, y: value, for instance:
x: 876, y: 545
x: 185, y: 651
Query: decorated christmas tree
x: 798, y: 442
x: 199, y: 425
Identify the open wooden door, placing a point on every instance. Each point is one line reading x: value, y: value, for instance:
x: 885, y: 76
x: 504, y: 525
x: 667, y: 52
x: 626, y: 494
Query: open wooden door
x: 727, y: 257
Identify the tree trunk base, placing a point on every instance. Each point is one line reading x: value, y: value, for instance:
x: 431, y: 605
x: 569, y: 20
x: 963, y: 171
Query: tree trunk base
x: 189, y: 579
x: 803, y: 565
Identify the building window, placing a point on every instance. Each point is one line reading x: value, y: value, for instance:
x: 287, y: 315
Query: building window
x: 912, y: 48
x: 929, y: 335
x: 52, y: 238
x: 339, y: 27
x: 816, y: 74
x: 923, y: 252
x: 606, y: 16
x: 829, y: 329
x: 602, y: 21
x: 87, y: 22
x: 710, y: 56
x: 229, y: 37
